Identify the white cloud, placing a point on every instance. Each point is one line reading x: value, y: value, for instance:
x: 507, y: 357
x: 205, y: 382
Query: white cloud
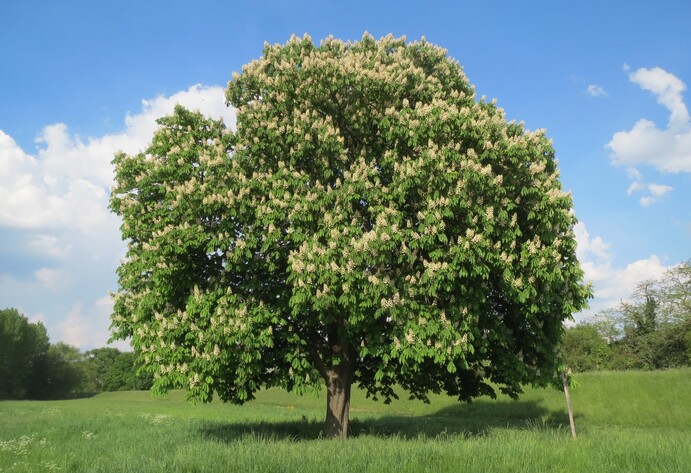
x: 49, y: 245
x: 656, y: 192
x: 610, y: 284
x: 633, y: 173
x: 75, y: 329
x: 669, y: 149
x: 588, y: 247
x: 635, y: 187
x: 49, y: 278
x: 596, y: 91
x: 647, y: 201
x: 89, y: 329
x: 668, y: 89
x: 68, y: 183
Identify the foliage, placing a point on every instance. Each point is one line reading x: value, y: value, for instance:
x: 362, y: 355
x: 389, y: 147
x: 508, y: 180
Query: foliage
x: 369, y: 221
x: 584, y: 349
x: 22, y: 346
x: 113, y: 370
x: 32, y: 368
x: 64, y: 373
x: 673, y: 293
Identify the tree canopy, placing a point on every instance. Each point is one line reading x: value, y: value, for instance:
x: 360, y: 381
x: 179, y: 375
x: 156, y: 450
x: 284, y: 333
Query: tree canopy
x: 23, y: 345
x: 368, y: 221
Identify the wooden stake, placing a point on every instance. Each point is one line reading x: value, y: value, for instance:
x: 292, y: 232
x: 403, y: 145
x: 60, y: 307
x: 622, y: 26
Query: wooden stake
x: 568, y: 403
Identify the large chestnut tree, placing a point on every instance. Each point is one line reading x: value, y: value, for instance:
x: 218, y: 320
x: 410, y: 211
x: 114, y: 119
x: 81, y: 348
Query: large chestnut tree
x: 368, y: 221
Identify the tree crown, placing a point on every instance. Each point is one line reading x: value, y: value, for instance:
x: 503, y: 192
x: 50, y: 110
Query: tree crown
x: 367, y: 212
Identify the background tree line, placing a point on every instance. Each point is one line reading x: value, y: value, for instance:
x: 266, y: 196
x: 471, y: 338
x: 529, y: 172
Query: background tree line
x: 33, y: 368
x: 651, y: 330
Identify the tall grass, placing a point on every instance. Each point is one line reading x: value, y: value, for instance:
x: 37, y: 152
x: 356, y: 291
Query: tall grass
x: 626, y: 421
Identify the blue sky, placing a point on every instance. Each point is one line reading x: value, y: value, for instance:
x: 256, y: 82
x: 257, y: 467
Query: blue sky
x: 81, y: 79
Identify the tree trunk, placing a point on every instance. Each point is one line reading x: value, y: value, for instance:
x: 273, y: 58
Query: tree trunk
x: 339, y: 380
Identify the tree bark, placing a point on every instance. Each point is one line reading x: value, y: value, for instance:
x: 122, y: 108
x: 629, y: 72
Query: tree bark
x: 339, y: 380
x: 337, y: 377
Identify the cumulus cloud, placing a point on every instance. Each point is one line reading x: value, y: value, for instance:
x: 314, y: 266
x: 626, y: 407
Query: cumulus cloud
x: 669, y: 149
x: 55, y: 201
x: 668, y: 89
x: 50, y: 245
x: 89, y: 328
x: 611, y: 284
x: 633, y: 173
x: 655, y: 192
x: 68, y: 182
x: 595, y: 91
x: 590, y: 246
x: 49, y: 278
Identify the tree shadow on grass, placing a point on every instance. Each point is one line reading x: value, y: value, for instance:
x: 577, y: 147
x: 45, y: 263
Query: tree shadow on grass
x: 466, y: 420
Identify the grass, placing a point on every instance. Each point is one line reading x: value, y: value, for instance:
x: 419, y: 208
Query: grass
x: 626, y: 421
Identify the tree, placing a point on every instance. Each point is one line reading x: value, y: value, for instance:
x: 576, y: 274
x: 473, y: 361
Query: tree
x: 22, y: 346
x: 102, y: 362
x: 369, y: 221
x: 673, y: 311
x: 674, y: 294
x: 641, y: 312
x: 585, y: 349
x: 113, y: 370
x: 132, y: 378
x: 65, y: 372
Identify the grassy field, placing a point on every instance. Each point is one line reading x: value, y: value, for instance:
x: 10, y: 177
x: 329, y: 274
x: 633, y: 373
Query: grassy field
x: 626, y: 421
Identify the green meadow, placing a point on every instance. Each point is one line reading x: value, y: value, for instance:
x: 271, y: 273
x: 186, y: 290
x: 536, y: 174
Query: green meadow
x: 626, y: 422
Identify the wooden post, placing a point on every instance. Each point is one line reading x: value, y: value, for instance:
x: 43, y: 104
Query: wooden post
x: 568, y: 403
